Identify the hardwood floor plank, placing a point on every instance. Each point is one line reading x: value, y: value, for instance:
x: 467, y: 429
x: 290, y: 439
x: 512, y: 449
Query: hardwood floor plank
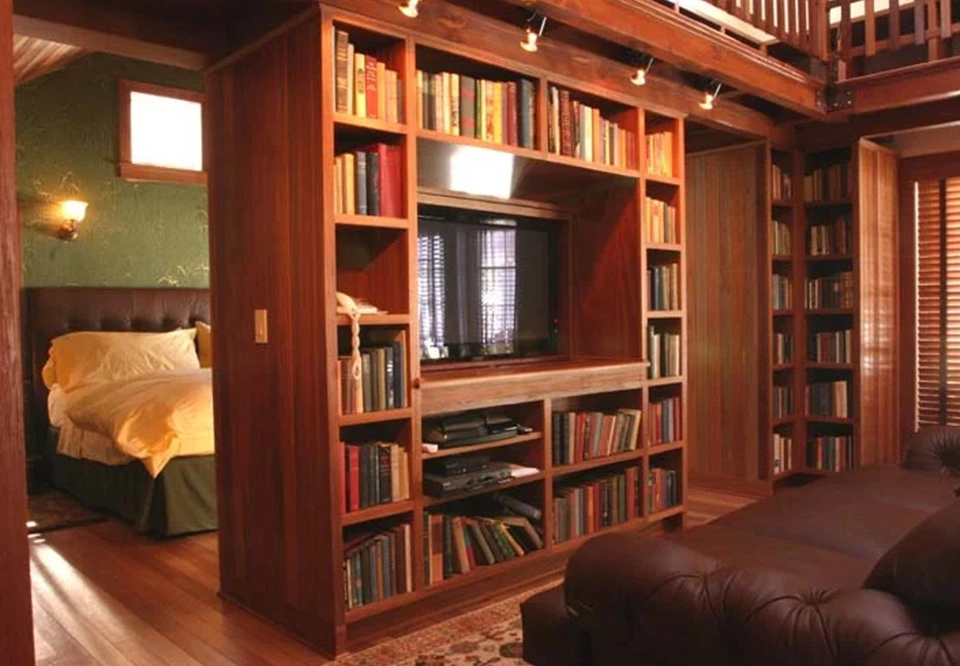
x: 47, y: 631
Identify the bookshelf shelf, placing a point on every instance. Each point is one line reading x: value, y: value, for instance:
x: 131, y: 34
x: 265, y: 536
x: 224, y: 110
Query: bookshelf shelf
x: 348, y: 220
x: 781, y: 258
x: 665, y: 314
x: 574, y: 543
x: 560, y: 471
x: 829, y: 203
x: 376, y: 417
x: 664, y: 247
x: 665, y: 381
x: 460, y: 450
x: 812, y: 365
x: 489, y: 570
x: 599, y: 167
x: 384, y: 319
x: 786, y: 312
x: 782, y: 203
x: 836, y: 420
x: 658, y: 449
x: 826, y: 312
x: 781, y: 367
x: 377, y: 512
x: 671, y: 181
x: 376, y: 608
x: 457, y: 140
x: 507, y: 485
x: 782, y: 421
x: 350, y: 123
x: 666, y: 513
x: 830, y: 257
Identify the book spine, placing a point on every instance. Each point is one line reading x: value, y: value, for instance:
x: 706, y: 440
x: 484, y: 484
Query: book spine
x: 371, y: 95
x: 361, y: 182
x: 360, y: 84
x: 373, y: 183
x: 468, y: 106
x: 342, y: 41
x: 512, y: 125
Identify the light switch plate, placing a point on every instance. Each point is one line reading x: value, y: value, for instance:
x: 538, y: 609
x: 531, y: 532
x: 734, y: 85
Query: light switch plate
x: 260, y: 335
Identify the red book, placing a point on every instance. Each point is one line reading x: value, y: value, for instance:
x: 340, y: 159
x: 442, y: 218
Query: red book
x: 511, y: 126
x: 353, y: 458
x: 391, y: 181
x: 371, y: 76
x: 343, y: 480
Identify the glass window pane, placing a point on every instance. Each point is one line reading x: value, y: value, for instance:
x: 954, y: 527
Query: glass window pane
x: 166, y: 132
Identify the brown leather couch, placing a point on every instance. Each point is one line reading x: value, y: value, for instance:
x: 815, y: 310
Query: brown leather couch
x: 858, y: 568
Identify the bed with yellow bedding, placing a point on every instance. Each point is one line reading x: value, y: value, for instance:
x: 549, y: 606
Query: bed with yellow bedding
x: 122, y: 410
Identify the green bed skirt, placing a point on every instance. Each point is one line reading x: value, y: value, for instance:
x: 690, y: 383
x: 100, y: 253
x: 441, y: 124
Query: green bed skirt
x: 181, y: 500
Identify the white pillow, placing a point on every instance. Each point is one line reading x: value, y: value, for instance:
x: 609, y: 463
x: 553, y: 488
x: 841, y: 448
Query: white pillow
x: 87, y: 357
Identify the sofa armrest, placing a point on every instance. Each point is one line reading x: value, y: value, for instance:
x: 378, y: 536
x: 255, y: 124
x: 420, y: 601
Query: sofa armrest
x: 646, y: 600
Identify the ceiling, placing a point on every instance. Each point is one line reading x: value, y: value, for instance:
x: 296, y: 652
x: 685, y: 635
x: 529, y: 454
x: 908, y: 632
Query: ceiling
x: 34, y: 57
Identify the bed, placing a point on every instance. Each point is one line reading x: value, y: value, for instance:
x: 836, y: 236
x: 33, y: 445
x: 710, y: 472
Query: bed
x: 165, y: 495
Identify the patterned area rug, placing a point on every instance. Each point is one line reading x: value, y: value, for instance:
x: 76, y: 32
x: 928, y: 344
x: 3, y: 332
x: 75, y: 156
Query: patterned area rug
x: 52, y: 510
x: 490, y: 636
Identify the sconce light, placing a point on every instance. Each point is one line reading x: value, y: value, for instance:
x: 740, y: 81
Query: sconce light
x: 72, y: 212
x: 710, y: 94
x: 409, y: 8
x: 534, y: 28
x: 644, y: 63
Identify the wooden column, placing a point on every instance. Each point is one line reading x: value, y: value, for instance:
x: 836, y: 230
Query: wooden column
x: 16, y: 625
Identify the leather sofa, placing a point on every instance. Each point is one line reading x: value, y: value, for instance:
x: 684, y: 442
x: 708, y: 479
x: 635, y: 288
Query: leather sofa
x: 857, y: 568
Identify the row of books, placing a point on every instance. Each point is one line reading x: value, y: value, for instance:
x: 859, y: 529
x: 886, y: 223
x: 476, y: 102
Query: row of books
x: 664, y: 281
x: 781, y: 184
x: 829, y: 399
x: 782, y: 347
x: 830, y: 347
x: 458, y: 544
x: 832, y: 238
x: 781, y: 292
x: 831, y: 453
x: 578, y: 130
x: 660, y: 154
x: 660, y: 221
x: 782, y: 401
x: 500, y: 112
x: 827, y: 183
x: 581, y: 436
x: 782, y: 453
x: 369, y: 181
x: 663, y: 491
x: 365, y: 86
x: 593, y: 505
x: 374, y: 473
x: 377, y: 566
x: 664, y: 349
x: 834, y: 291
x: 665, y: 421
x: 382, y: 379
x: 780, y: 232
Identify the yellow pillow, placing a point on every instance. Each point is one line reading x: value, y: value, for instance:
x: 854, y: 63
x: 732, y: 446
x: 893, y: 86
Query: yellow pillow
x: 205, y: 344
x: 88, y: 357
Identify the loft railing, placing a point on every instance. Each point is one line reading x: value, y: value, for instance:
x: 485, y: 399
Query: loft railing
x: 798, y: 23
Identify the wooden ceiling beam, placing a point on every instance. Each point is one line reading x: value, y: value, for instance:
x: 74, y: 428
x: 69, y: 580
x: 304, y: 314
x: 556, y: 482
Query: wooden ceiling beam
x: 442, y: 24
x: 122, y: 32
x: 905, y: 86
x: 669, y: 36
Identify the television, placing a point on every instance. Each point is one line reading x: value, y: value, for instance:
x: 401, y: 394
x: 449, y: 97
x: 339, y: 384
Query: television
x: 487, y: 285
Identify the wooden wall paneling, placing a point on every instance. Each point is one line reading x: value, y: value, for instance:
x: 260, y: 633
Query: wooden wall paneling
x: 266, y: 228
x: 765, y: 337
x: 878, y: 221
x: 680, y: 161
x: 16, y: 625
x: 723, y: 338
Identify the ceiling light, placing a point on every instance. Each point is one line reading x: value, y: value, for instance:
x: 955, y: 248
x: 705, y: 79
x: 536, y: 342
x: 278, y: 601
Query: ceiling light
x: 644, y: 64
x: 710, y: 94
x: 534, y: 28
x: 409, y: 8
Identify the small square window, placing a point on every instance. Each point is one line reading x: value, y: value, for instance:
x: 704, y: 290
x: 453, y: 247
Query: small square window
x: 161, y: 133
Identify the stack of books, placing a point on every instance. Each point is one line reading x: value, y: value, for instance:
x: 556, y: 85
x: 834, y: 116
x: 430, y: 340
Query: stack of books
x: 782, y: 348
x: 833, y: 238
x: 383, y: 376
x: 365, y: 87
x: 578, y: 130
x: 665, y: 420
x: 830, y: 347
x: 830, y: 453
x: 377, y: 566
x: 782, y: 401
x: 829, y: 399
x: 660, y: 221
x: 660, y: 154
x: 500, y: 112
x: 782, y: 453
x: 781, y: 184
x: 834, y: 291
x: 827, y: 183
x: 781, y: 237
x: 593, y: 505
x: 369, y: 181
x: 664, y: 280
x: 781, y: 292
x: 375, y: 473
x: 663, y: 491
x: 581, y: 436
x: 664, y: 353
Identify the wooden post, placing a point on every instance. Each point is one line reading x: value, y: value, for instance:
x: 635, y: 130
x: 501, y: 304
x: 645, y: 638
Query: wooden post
x: 16, y: 619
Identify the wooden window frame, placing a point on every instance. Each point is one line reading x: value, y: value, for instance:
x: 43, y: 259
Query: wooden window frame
x: 130, y: 171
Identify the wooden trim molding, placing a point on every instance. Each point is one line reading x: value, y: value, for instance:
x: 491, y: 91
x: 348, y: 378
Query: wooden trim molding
x: 127, y: 169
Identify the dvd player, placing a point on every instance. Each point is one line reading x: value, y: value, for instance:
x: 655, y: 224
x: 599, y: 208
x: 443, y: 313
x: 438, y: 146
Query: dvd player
x: 439, y: 485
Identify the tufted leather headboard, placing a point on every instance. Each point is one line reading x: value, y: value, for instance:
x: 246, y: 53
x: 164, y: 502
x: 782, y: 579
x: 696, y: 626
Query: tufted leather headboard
x: 52, y: 311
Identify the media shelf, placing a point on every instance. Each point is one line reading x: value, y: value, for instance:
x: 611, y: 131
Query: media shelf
x: 593, y: 463
x: 375, y: 416
x: 430, y: 502
x: 376, y: 221
x: 347, y: 123
x: 377, y: 512
x: 474, y: 448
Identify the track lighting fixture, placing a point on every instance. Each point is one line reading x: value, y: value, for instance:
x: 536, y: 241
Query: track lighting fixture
x: 710, y: 94
x: 644, y: 63
x: 409, y: 8
x: 534, y: 28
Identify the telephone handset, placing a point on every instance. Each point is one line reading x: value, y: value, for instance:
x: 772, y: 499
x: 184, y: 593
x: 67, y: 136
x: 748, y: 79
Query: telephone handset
x: 348, y: 305
x: 353, y: 308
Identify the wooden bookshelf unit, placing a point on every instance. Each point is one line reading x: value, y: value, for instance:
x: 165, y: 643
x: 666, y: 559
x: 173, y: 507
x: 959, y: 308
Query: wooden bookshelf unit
x: 302, y: 530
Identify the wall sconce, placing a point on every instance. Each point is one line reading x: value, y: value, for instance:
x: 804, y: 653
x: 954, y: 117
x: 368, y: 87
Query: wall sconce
x: 409, y: 8
x: 644, y: 63
x: 535, y: 25
x: 710, y: 94
x: 72, y: 211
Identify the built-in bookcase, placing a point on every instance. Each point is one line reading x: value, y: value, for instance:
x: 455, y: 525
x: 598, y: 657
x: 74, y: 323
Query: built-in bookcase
x: 427, y: 120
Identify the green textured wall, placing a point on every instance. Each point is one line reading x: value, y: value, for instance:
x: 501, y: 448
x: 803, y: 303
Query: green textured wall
x: 136, y: 234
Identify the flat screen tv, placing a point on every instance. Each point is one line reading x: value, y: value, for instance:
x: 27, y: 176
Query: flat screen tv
x: 487, y: 285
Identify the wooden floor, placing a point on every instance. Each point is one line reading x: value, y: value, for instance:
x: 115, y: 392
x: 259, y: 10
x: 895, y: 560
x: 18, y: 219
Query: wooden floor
x: 104, y: 595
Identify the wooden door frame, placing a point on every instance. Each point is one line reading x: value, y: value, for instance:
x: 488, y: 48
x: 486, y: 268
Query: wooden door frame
x: 16, y: 617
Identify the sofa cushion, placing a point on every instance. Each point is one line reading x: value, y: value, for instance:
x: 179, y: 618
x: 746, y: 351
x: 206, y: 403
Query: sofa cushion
x: 934, y: 450
x: 921, y: 568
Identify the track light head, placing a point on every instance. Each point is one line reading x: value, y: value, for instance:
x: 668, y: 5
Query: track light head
x: 532, y: 31
x: 409, y: 8
x: 644, y: 63
x: 710, y: 94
